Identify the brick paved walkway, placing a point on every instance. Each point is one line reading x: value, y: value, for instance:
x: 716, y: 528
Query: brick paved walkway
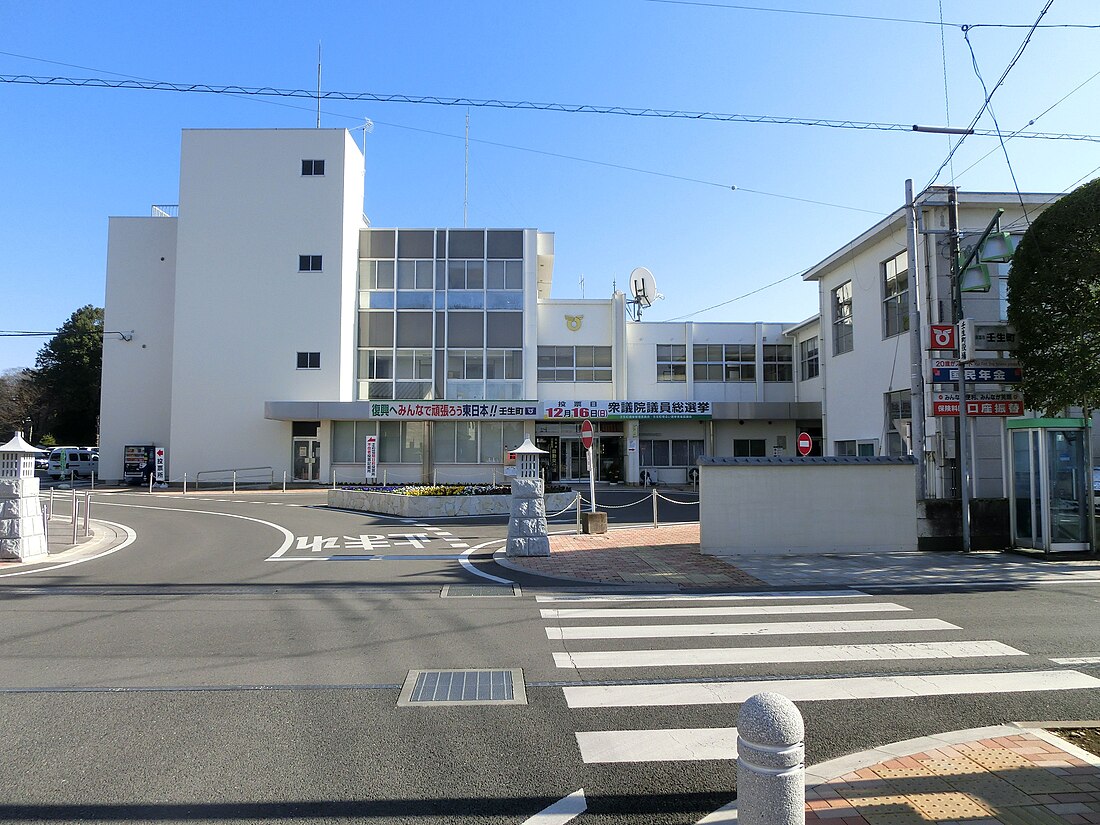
x: 1008, y: 780
x: 637, y: 555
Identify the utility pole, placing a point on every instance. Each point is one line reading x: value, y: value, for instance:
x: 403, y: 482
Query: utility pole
x: 916, y: 351
x: 956, y: 290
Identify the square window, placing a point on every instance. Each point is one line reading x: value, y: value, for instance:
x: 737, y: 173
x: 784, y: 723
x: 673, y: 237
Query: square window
x: 313, y: 167
x: 309, y: 263
x: 309, y: 360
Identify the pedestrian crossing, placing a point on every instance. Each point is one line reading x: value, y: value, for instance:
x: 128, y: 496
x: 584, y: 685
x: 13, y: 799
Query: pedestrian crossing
x: 605, y: 639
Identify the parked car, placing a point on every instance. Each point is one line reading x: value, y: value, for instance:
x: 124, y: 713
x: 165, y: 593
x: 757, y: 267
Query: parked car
x: 78, y: 461
x: 42, y: 460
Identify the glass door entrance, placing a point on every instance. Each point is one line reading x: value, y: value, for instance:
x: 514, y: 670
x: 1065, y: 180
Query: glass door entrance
x: 307, y: 454
x: 573, y: 464
x: 1050, y: 492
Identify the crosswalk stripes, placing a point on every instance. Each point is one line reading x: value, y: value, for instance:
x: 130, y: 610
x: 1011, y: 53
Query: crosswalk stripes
x: 605, y: 636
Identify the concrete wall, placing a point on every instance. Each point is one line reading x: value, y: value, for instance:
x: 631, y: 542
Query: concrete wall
x: 243, y: 309
x: 796, y: 506
x: 136, y: 393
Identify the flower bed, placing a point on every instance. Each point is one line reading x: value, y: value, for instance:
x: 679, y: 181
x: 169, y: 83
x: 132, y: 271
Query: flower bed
x: 421, y: 501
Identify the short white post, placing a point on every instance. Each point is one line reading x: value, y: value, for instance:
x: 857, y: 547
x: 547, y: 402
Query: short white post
x: 654, y: 496
x: 435, y: 477
x: 46, y: 520
x: 284, y: 481
x: 87, y: 512
x: 333, y: 478
x: 150, y: 482
x: 234, y: 481
x: 578, y: 514
x: 385, y: 476
x: 50, y: 505
x: 185, y: 483
x: 93, y: 479
x: 76, y: 506
x: 72, y: 477
x: 771, y: 769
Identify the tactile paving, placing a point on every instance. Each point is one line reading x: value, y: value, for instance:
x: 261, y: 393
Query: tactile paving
x: 949, y: 806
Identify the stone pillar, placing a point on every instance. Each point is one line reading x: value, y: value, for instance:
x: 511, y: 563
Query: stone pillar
x: 22, y: 534
x: 527, y: 523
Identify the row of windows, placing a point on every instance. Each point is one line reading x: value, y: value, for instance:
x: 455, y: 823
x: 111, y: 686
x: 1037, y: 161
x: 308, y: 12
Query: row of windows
x: 670, y: 452
x: 412, y: 244
x: 894, y: 279
x: 461, y: 330
x: 574, y: 364
x: 402, y: 442
x: 439, y: 275
x: 727, y: 362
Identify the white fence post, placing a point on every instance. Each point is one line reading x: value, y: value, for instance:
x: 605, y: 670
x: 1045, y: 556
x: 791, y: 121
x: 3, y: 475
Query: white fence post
x: 76, y: 506
x: 87, y: 513
x: 771, y: 769
x: 578, y: 514
x: 150, y: 482
x: 234, y: 481
x: 93, y: 479
x: 654, y: 508
x: 185, y: 483
x: 333, y: 478
x: 284, y: 481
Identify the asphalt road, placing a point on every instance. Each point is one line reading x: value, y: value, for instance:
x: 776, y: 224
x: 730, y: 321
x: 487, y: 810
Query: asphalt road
x: 242, y: 661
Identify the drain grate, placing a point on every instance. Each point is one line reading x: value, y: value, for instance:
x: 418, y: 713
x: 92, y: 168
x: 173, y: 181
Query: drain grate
x: 463, y: 687
x: 470, y: 591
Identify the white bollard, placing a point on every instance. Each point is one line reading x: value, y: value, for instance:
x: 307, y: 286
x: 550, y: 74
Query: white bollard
x: 334, y: 479
x: 185, y: 483
x: 87, y: 513
x: 284, y: 481
x: 150, y: 482
x: 771, y: 769
x: 578, y: 515
x: 654, y: 508
x: 76, y: 506
x: 93, y: 479
x: 234, y: 481
x: 50, y: 505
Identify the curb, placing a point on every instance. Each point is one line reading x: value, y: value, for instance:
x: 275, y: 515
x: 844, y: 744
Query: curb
x: 647, y: 587
x: 824, y: 772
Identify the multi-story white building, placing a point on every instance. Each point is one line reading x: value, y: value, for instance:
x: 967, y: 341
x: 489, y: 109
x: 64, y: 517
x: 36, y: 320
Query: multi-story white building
x: 274, y: 328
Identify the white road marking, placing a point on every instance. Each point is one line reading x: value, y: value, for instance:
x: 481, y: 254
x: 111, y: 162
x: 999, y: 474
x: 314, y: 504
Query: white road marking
x: 813, y: 690
x: 1079, y: 660
x: 664, y: 631
x: 748, y: 610
x: 714, y: 597
x: 288, y: 537
x: 682, y: 745
x: 131, y: 536
x: 770, y: 655
x: 457, y: 544
x: 471, y: 568
x: 561, y: 811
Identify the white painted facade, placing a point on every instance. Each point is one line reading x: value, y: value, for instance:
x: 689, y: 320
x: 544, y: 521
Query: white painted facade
x: 222, y: 323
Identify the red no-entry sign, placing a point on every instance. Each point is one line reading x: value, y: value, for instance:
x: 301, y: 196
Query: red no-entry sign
x: 586, y: 435
x: 805, y: 443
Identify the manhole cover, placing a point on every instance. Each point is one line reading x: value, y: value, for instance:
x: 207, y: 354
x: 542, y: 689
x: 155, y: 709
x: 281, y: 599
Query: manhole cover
x: 470, y: 591
x: 463, y: 687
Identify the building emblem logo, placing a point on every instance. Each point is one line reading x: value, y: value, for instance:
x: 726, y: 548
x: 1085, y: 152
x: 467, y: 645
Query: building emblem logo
x: 573, y: 322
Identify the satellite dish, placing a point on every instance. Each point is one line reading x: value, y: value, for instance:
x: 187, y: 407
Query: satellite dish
x: 643, y: 286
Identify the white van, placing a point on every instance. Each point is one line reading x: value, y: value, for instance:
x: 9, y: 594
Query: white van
x: 78, y: 461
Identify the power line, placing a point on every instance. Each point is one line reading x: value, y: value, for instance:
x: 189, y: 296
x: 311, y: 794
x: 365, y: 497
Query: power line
x: 993, y: 91
x: 870, y: 17
x: 739, y: 297
x: 524, y: 105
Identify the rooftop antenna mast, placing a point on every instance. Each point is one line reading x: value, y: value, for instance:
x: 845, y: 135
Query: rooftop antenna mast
x: 318, y: 84
x: 466, y: 184
x: 581, y: 282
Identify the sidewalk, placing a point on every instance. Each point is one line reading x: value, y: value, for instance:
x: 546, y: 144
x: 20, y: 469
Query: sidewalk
x: 668, y: 555
x: 60, y: 545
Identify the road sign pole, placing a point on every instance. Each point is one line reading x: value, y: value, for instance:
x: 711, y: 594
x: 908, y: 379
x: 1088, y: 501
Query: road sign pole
x: 591, y: 481
x: 961, y: 446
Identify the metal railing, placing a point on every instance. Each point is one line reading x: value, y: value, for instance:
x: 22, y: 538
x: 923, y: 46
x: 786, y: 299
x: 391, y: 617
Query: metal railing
x: 164, y: 210
x: 652, y: 497
x: 251, y: 476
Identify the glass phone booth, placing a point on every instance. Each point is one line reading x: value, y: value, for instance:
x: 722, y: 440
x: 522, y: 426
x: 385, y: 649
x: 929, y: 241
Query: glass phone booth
x: 1051, y: 491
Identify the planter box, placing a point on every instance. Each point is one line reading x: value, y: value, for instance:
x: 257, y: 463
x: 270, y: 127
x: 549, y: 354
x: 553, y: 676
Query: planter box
x: 391, y: 504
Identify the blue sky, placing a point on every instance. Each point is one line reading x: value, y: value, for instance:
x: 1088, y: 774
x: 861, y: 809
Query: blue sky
x: 73, y: 156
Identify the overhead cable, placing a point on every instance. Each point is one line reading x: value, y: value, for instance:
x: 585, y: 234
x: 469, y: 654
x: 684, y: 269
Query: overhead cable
x: 568, y: 108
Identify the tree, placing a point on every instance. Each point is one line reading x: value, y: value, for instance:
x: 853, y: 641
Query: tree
x: 20, y: 404
x: 1054, y: 304
x: 67, y: 373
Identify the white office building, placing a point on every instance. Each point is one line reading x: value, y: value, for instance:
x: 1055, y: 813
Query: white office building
x: 275, y: 330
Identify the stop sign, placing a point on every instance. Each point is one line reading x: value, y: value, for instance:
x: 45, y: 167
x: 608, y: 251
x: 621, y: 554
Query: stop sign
x: 805, y: 443
x: 586, y: 435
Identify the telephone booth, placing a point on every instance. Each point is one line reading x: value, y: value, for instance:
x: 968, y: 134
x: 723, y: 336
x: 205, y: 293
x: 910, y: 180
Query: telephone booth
x: 1051, y: 491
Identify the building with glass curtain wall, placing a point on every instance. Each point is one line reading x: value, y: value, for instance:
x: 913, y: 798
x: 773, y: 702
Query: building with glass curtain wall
x: 274, y: 328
